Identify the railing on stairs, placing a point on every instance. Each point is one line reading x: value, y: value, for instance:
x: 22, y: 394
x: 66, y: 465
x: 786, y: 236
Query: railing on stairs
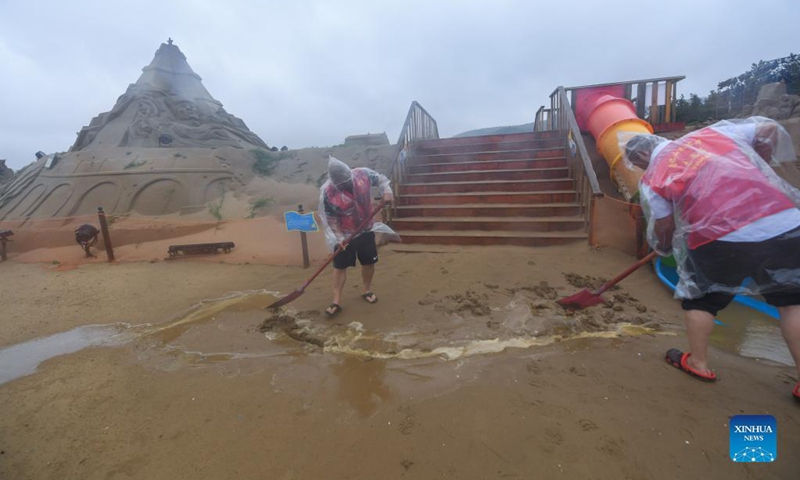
x: 545, y: 120
x: 419, y: 125
x: 560, y: 117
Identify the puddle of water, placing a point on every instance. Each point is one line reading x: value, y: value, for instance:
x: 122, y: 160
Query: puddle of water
x: 752, y: 334
x: 207, y: 310
x: 237, y: 314
x: 362, y: 384
x: 23, y: 359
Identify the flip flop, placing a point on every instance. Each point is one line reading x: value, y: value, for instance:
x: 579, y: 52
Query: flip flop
x: 678, y: 359
x: 366, y: 296
x: 796, y: 392
x: 336, y: 310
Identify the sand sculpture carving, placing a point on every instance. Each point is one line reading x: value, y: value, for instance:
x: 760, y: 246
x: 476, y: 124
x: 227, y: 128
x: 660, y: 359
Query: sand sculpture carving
x: 167, y: 107
x: 165, y: 146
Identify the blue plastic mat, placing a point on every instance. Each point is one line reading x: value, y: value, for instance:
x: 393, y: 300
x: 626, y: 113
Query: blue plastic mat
x: 668, y: 275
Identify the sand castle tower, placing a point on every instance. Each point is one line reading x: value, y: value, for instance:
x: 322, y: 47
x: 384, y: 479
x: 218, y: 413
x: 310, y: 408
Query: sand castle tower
x: 168, y: 106
x: 166, y: 146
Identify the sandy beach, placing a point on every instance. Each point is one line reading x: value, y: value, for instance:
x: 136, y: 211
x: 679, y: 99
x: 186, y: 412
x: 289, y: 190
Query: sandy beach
x: 464, y: 369
x: 154, y: 158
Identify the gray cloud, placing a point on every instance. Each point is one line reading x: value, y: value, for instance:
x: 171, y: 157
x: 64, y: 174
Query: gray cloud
x: 308, y: 73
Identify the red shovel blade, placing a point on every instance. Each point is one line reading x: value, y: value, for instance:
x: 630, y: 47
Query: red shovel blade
x: 581, y: 300
x: 287, y: 299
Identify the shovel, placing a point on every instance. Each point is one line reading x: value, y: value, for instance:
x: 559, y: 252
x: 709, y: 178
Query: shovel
x: 586, y: 299
x: 293, y: 296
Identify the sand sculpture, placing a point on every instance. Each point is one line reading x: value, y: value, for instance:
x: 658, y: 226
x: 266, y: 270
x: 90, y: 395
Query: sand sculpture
x: 167, y: 107
x: 166, y: 146
x: 6, y: 174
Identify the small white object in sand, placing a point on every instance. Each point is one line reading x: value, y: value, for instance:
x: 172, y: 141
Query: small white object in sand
x: 357, y: 326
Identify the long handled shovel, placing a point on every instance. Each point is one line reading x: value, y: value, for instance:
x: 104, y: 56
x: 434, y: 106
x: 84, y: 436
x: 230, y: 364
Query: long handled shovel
x: 294, y: 295
x: 586, y: 298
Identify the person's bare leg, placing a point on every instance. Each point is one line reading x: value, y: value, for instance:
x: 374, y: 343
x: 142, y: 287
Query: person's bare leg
x: 790, y: 327
x: 339, y: 278
x: 699, y: 325
x: 367, y: 272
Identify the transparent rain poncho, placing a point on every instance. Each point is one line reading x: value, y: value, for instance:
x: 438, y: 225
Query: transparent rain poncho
x: 345, y: 201
x: 714, y: 184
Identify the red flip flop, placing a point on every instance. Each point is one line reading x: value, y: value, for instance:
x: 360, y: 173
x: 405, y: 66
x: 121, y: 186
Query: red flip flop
x: 796, y: 392
x: 678, y: 359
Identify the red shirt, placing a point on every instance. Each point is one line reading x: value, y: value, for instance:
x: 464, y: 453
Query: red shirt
x: 715, y: 186
x: 349, y: 209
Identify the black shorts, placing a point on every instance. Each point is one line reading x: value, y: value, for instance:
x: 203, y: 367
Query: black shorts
x: 363, y: 247
x: 772, y: 264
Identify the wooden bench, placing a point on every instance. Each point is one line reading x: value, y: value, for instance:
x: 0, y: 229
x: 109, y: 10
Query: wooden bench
x: 200, y: 248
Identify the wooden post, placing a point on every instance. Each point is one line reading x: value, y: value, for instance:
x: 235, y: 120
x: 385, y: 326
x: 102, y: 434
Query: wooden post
x: 640, y: 226
x: 3, y: 242
x: 303, y: 241
x: 654, y: 118
x: 573, y: 103
x: 668, y: 102
x: 101, y: 215
x: 674, y: 117
x: 592, y: 237
x: 641, y: 93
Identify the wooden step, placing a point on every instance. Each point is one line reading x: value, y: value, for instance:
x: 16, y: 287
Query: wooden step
x: 487, y: 186
x: 478, y: 175
x: 477, y: 237
x: 553, y: 196
x: 491, y: 210
x: 518, y: 224
x: 496, y: 155
x: 489, y: 147
x: 553, y: 162
x: 506, y: 137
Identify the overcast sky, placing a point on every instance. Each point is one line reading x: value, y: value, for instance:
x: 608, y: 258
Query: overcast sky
x: 308, y: 73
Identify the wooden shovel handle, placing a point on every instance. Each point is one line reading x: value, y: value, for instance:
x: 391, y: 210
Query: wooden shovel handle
x: 627, y: 272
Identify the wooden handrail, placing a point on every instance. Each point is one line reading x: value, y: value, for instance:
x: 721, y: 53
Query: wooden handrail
x: 561, y: 118
x: 572, y: 126
x: 659, y: 114
x: 544, y: 120
x: 674, y: 79
x: 419, y: 125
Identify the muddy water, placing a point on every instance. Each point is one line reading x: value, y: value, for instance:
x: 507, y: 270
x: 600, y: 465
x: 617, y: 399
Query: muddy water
x: 23, y: 359
x: 208, y: 310
x: 752, y: 334
x: 218, y: 331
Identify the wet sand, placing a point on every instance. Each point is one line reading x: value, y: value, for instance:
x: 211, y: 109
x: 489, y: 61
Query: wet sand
x: 464, y: 369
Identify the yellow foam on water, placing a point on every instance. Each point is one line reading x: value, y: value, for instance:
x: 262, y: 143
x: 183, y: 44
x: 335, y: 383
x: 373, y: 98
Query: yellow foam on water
x: 482, y: 347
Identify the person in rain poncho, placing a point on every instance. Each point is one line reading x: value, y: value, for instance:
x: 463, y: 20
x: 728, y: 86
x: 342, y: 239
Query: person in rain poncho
x: 346, y: 203
x: 712, y: 199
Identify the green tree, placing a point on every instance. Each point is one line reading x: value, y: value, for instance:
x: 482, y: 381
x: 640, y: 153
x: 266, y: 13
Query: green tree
x: 713, y: 107
x: 681, y: 109
x: 790, y: 74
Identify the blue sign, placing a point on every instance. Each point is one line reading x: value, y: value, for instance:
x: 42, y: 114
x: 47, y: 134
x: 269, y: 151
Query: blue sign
x: 754, y: 438
x: 303, y: 222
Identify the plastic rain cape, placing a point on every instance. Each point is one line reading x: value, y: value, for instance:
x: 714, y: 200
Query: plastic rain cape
x: 341, y: 211
x: 716, y: 182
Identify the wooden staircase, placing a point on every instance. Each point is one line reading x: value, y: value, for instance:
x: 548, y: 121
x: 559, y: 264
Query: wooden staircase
x: 514, y: 189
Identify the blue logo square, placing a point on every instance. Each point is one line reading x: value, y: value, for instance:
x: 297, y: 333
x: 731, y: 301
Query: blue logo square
x: 754, y: 438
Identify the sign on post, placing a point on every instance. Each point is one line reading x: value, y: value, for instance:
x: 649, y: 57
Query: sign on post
x: 303, y: 222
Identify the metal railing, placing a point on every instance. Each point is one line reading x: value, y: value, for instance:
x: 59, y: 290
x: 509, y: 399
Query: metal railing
x: 419, y: 125
x: 560, y: 117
